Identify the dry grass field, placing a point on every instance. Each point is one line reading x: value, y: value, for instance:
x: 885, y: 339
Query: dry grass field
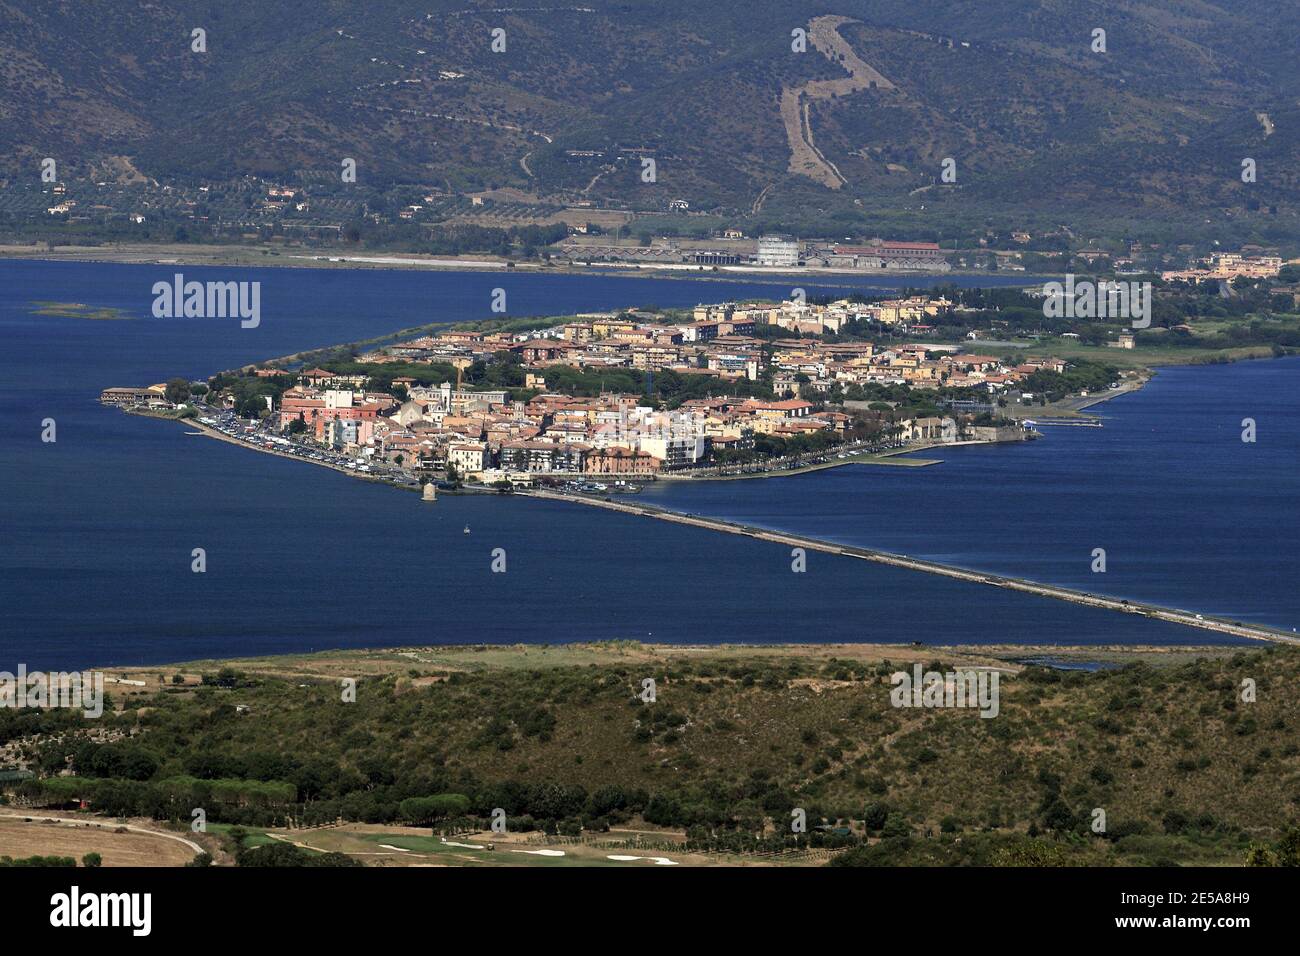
x: 25, y: 836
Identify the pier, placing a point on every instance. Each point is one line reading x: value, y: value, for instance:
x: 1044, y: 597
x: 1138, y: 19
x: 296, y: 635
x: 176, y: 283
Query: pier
x: 1072, y: 422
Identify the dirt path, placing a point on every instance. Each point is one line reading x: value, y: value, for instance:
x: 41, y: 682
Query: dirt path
x: 805, y: 158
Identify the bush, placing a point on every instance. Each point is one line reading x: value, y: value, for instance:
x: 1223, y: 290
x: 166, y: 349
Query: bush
x: 895, y: 826
x: 286, y: 854
x: 875, y: 815
x: 58, y: 861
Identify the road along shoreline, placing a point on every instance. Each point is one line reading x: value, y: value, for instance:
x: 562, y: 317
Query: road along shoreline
x: 1172, y: 615
x: 207, y: 431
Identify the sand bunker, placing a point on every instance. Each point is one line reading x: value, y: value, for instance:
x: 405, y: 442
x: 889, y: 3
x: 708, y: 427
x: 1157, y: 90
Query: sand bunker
x: 658, y: 860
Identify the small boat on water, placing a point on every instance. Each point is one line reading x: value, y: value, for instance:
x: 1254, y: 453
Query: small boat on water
x: 467, y: 529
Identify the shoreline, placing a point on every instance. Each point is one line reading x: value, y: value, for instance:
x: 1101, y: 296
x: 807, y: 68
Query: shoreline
x: 1125, y: 388
x: 207, y: 431
x: 210, y: 432
x: 241, y: 256
x: 880, y: 459
x: 477, y: 656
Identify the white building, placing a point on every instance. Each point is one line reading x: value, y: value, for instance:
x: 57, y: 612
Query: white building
x: 675, y: 451
x: 778, y: 251
x: 469, y: 457
x: 341, y: 432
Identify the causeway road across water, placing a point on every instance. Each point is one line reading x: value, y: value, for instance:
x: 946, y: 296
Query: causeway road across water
x: 1173, y: 615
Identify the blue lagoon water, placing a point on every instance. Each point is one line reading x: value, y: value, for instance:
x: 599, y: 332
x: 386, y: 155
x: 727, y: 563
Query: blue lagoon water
x: 97, y: 529
x: 1189, y: 515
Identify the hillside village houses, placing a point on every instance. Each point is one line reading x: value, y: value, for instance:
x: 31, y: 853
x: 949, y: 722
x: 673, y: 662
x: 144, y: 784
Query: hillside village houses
x: 487, y: 433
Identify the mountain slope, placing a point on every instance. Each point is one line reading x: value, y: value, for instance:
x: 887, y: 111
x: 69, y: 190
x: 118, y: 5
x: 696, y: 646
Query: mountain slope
x: 1008, y: 89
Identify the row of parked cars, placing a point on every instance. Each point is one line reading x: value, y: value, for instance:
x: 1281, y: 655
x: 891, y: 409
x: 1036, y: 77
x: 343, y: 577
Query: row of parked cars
x: 257, y: 435
x: 598, y: 487
x: 781, y: 464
